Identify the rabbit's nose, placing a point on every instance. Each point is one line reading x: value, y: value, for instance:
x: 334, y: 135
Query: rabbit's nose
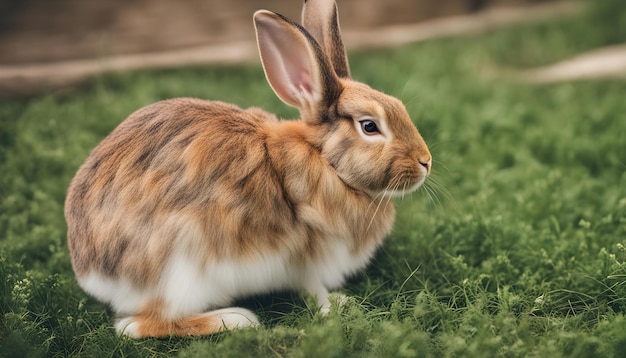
x: 426, y: 162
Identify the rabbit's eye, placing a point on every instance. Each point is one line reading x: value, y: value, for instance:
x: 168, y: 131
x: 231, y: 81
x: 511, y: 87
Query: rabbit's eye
x: 369, y: 127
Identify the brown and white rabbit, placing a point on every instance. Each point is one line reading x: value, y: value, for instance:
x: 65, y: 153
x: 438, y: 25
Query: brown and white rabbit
x: 189, y: 204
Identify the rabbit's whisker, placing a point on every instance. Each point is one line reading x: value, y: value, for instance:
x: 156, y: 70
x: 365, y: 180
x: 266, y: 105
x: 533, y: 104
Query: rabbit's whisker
x: 380, y: 199
x: 403, y: 190
x: 432, y: 196
x: 437, y: 187
x: 392, y: 186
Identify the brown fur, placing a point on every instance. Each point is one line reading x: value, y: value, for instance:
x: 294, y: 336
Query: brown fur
x: 278, y: 166
x: 217, y: 183
x: 150, y: 323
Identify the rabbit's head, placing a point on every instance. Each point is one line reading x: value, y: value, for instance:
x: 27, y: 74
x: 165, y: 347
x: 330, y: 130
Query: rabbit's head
x: 366, y: 136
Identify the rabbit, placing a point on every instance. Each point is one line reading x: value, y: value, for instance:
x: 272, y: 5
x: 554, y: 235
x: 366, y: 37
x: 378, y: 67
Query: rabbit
x: 190, y: 204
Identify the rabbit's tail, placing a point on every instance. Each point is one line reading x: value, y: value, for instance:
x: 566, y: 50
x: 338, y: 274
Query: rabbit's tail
x: 151, y: 324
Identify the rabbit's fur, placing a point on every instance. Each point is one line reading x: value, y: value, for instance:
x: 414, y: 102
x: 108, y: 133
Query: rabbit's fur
x: 189, y: 204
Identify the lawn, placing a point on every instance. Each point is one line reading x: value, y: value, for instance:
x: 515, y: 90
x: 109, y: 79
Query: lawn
x: 515, y: 247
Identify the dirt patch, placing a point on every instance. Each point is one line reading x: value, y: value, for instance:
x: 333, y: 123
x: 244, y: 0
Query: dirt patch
x: 607, y: 62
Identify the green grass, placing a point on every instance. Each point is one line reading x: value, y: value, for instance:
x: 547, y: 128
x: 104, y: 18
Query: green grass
x: 518, y: 249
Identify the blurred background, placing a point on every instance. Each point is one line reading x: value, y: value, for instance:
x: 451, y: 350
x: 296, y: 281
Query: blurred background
x: 57, y: 30
x: 52, y: 44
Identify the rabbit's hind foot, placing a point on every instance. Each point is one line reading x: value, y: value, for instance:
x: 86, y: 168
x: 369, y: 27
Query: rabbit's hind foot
x: 204, y: 324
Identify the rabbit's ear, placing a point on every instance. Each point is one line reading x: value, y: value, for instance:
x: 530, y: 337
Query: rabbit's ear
x: 294, y: 64
x: 321, y: 19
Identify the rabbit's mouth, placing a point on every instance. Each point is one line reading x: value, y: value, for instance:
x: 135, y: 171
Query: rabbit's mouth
x: 406, y: 183
x: 399, y: 192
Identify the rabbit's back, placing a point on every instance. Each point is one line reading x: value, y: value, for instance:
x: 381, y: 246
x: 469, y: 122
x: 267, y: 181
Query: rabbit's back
x: 191, y: 204
x: 174, y: 172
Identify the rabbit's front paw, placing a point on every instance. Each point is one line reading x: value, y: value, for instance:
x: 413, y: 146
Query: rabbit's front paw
x: 128, y: 326
x: 236, y: 318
